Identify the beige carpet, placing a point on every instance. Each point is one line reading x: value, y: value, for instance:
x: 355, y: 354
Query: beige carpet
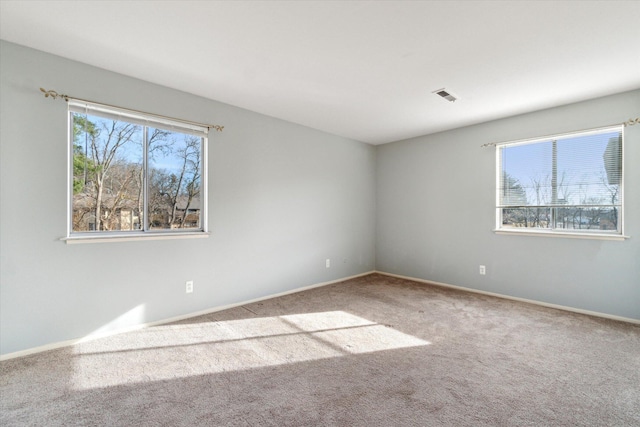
x: 373, y: 351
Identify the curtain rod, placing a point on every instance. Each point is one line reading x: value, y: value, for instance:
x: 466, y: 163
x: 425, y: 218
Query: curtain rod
x: 53, y: 94
x: 629, y: 122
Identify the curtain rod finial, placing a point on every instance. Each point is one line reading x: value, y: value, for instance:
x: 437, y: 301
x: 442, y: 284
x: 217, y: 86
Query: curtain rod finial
x: 53, y: 94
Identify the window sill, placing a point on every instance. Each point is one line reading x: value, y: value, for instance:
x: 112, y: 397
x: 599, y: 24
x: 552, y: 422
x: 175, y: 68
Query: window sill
x: 72, y: 240
x: 548, y: 233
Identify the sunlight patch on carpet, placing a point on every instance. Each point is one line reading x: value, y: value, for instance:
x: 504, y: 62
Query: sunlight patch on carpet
x: 177, y: 351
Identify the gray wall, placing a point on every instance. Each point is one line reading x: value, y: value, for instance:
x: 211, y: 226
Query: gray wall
x: 436, y: 210
x: 283, y: 198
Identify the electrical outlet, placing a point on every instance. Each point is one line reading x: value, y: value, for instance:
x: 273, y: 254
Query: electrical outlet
x: 189, y: 286
x: 483, y: 270
x: 328, y: 263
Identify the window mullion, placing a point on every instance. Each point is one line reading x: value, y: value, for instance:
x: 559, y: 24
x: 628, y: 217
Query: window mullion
x: 145, y: 179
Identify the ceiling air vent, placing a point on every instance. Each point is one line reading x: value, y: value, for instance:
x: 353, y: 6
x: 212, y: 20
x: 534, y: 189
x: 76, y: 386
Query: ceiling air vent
x: 446, y: 95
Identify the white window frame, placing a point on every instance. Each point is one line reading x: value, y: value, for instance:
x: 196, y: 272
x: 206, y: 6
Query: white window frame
x: 556, y: 232
x: 145, y: 120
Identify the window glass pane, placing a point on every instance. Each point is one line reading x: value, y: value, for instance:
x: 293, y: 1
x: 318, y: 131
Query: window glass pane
x: 538, y: 217
x: 588, y: 218
x: 526, y: 175
x: 107, y: 174
x: 175, y: 171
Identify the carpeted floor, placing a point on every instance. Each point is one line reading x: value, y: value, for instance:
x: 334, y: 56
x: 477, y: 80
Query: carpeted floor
x: 372, y: 351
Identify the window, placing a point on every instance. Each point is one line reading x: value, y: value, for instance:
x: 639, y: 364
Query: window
x: 562, y: 184
x: 134, y: 174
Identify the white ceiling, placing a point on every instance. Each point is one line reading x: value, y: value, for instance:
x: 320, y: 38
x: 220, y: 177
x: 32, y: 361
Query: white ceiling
x: 363, y: 70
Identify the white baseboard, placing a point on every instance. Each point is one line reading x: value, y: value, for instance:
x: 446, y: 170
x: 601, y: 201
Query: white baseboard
x: 94, y: 336
x: 509, y: 297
